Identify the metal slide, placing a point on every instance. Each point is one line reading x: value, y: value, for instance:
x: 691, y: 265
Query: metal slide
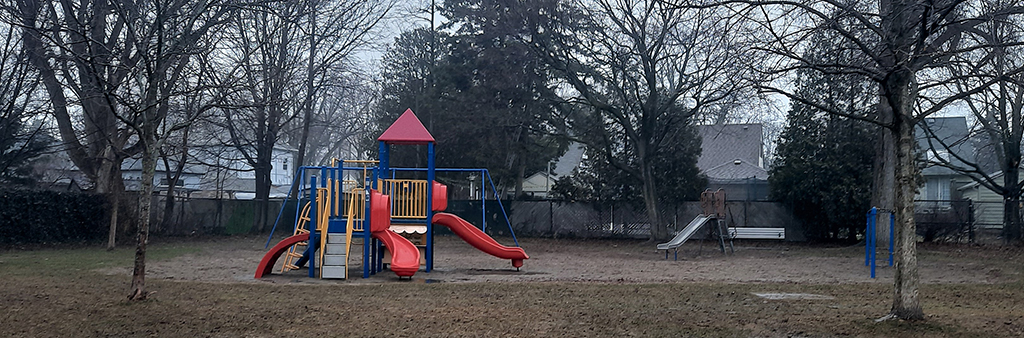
x: 687, y: 232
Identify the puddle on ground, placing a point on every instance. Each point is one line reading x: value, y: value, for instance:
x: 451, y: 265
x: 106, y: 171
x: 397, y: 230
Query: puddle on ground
x: 787, y: 296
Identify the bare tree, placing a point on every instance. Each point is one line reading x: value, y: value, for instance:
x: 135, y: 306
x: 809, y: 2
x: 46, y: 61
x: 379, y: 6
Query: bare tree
x: 996, y: 110
x: 165, y: 34
x: 645, y: 68
x: 84, y: 61
x: 898, y: 41
x: 334, y: 30
x: 20, y: 141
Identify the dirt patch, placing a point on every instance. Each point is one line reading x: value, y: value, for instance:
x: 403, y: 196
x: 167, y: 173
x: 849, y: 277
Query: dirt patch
x: 568, y: 288
x: 563, y: 260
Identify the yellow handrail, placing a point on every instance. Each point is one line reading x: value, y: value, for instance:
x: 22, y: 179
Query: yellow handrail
x: 349, y: 227
x: 322, y: 217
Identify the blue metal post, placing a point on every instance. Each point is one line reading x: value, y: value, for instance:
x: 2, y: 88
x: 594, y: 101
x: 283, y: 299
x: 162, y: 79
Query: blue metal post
x: 502, y: 207
x: 869, y: 229
x: 483, y: 201
x: 366, y: 230
x: 874, y: 240
x: 313, y: 235
x: 429, y: 251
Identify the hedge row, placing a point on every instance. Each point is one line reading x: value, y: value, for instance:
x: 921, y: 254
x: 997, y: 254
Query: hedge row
x: 51, y: 217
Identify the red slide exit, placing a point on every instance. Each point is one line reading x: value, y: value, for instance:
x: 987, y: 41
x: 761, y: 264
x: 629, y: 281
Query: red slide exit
x: 267, y: 263
x: 478, y: 239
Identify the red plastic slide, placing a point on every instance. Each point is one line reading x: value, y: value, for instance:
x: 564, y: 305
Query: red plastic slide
x: 478, y: 239
x: 267, y: 263
x: 405, y: 257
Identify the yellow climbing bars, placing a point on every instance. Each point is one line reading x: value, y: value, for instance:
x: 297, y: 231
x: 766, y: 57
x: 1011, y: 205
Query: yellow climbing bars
x: 295, y: 252
x: 408, y: 197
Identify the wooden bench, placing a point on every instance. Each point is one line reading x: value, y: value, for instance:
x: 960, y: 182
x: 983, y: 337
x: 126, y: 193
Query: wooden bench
x: 757, y: 233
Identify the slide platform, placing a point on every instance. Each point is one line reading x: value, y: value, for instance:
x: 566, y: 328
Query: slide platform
x: 405, y: 257
x: 478, y: 239
x: 267, y: 263
x: 687, y: 232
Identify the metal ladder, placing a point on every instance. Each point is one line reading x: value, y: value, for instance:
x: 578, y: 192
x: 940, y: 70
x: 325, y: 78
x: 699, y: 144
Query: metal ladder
x: 296, y: 251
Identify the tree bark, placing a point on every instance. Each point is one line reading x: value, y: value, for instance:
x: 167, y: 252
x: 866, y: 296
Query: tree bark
x: 884, y: 178
x: 263, y: 184
x: 138, y: 287
x: 659, y: 232
x: 1011, y: 208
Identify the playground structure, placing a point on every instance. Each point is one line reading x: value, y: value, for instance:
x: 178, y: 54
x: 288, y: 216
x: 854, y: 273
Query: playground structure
x: 871, y: 237
x: 371, y: 204
x: 712, y: 205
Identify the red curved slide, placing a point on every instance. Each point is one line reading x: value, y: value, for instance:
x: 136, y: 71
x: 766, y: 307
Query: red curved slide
x: 478, y: 239
x: 267, y: 263
x: 405, y: 257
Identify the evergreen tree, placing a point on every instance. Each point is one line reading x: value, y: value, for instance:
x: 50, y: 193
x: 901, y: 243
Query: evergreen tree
x: 823, y: 161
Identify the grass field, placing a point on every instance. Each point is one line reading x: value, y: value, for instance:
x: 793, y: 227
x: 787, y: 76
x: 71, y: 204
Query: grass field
x: 61, y: 293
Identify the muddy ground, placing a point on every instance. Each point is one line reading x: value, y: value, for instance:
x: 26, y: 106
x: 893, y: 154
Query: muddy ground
x: 568, y: 288
x: 568, y: 260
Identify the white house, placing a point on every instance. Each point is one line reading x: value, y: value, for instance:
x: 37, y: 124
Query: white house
x: 540, y: 184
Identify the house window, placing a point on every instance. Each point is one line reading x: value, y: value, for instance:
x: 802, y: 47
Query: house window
x: 937, y: 189
x: 285, y: 166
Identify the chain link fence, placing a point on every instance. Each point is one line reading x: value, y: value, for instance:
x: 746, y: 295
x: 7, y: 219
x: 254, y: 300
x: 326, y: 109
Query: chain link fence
x: 629, y: 220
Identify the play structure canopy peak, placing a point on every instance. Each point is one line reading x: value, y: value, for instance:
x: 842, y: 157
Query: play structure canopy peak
x: 406, y: 130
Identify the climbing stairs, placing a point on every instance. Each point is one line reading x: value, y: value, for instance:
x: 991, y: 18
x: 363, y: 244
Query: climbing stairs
x: 296, y: 251
x: 335, y: 261
x: 337, y: 246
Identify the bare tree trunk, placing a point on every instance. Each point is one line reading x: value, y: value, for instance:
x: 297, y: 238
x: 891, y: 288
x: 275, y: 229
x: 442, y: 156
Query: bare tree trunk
x: 138, y: 288
x: 1011, y: 208
x: 263, y: 184
x: 905, y: 299
x: 884, y: 179
x: 659, y: 232
x: 115, y: 204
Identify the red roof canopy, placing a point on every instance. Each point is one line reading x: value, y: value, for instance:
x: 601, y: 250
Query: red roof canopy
x: 406, y: 130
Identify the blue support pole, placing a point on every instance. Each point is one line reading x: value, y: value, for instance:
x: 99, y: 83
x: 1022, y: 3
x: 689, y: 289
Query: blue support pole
x: 313, y: 235
x: 366, y: 230
x: 868, y: 230
x: 429, y: 251
x: 502, y: 207
x: 874, y: 240
x: 483, y: 198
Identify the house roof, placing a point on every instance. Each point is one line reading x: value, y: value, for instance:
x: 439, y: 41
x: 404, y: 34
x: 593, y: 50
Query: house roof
x: 736, y: 170
x: 406, y: 130
x: 725, y: 143
x: 949, y: 131
x: 568, y: 161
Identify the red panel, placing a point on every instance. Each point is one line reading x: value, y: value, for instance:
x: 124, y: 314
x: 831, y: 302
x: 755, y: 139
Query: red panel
x: 406, y: 130
x: 439, y: 197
